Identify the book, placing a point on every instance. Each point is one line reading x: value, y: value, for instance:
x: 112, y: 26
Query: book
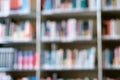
x: 71, y: 27
x: 111, y: 4
x: 13, y: 59
x: 15, y: 4
x: 92, y: 4
x: 42, y: 4
x: 111, y: 58
x: 4, y: 8
x: 4, y: 76
x: 108, y: 57
x: 111, y: 28
x: 69, y: 30
x: 117, y: 4
x: 25, y: 31
x: 69, y: 59
x: 74, y: 3
x: 47, y: 4
x: 20, y: 6
x: 68, y: 5
x: 83, y: 4
x: 25, y: 7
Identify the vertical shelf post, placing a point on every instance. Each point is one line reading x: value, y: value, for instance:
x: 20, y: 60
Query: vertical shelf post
x: 99, y: 41
x: 38, y: 33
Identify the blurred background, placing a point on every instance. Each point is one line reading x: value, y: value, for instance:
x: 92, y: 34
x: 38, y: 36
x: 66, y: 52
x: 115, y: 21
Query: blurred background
x: 59, y: 39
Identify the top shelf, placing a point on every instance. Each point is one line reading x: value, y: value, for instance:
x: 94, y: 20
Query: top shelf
x: 111, y: 10
x: 21, y: 16
x: 69, y: 13
x: 31, y: 15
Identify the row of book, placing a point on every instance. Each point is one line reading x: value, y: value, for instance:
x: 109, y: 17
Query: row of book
x: 69, y: 30
x: 111, y: 58
x: 69, y: 59
x: 4, y: 76
x: 111, y: 78
x: 21, y: 31
x: 55, y: 77
x: 4, y: 7
x: 86, y: 78
x: 111, y: 4
x: 13, y: 59
x: 68, y: 4
x: 27, y: 78
x: 111, y: 28
x: 14, y: 7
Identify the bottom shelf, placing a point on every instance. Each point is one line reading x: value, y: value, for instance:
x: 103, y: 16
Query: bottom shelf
x: 15, y: 70
x: 4, y: 76
x: 68, y: 69
x: 111, y: 74
x: 56, y: 76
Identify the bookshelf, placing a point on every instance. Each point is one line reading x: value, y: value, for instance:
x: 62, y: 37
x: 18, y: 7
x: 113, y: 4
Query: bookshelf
x: 83, y: 43
x: 104, y: 45
x: 110, y: 42
x: 19, y: 17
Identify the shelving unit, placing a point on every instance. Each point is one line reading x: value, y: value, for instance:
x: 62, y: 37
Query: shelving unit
x: 39, y: 45
x: 22, y: 44
x: 80, y: 44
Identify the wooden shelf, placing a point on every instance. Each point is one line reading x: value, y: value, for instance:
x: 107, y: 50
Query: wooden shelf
x: 67, y: 69
x: 69, y: 13
x: 111, y: 69
x: 18, y: 42
x: 74, y: 41
x: 12, y: 70
x: 23, y: 16
x: 20, y: 16
x: 69, y: 41
x: 110, y: 38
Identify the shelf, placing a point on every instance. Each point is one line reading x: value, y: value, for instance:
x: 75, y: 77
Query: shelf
x: 18, y: 42
x: 11, y: 70
x: 20, y: 16
x: 110, y: 9
x: 69, y: 13
x: 23, y: 16
x: 111, y: 69
x: 74, y: 41
x: 2, y: 15
x: 112, y: 12
x: 109, y: 38
x: 67, y: 69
